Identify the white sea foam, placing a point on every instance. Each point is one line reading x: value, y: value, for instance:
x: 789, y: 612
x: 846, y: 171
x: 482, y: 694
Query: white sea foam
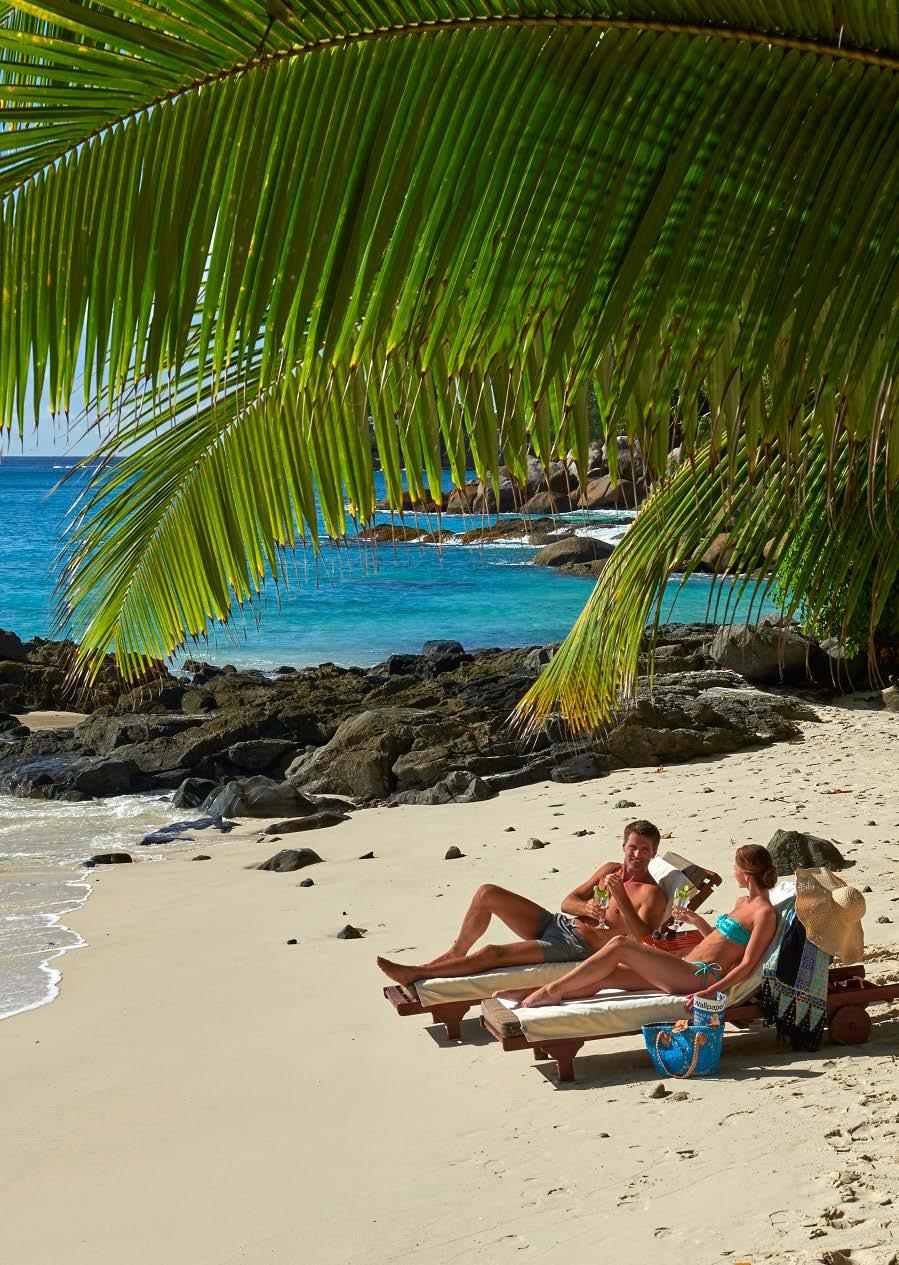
x: 43, y: 845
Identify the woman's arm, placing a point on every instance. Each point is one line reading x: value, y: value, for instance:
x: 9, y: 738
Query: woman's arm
x: 694, y: 919
x: 759, y: 940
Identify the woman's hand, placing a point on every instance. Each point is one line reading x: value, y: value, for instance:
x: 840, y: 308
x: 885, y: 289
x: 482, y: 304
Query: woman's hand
x: 689, y: 916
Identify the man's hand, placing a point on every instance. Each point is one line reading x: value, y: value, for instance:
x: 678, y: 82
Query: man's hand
x: 615, y: 884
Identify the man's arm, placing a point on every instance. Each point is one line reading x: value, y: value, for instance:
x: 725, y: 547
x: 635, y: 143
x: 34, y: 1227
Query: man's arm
x: 644, y: 917
x: 576, y: 903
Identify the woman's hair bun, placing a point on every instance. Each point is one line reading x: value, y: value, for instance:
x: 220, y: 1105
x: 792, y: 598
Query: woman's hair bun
x: 753, y: 859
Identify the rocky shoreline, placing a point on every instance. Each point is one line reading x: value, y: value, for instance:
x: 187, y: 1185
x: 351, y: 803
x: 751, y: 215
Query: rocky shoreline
x: 426, y: 728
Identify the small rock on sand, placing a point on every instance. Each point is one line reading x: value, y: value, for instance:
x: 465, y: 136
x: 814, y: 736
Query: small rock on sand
x: 289, y: 859
x: 367, y: 856
x: 624, y: 803
x: 453, y: 853
x: 659, y: 1092
x: 306, y: 882
x: 349, y: 932
x: 534, y: 844
x: 201, y: 856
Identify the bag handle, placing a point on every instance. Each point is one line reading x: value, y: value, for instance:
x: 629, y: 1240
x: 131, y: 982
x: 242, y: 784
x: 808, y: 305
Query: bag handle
x: 699, y: 1040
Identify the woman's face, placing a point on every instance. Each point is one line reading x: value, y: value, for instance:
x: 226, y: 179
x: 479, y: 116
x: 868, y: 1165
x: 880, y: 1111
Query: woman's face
x: 741, y: 876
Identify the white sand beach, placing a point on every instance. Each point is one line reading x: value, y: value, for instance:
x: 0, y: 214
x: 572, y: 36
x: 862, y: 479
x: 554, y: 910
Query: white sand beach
x: 203, y: 1093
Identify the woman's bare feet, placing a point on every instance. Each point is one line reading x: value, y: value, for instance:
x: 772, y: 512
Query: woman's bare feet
x: 513, y: 994
x: 400, y: 974
x: 542, y: 997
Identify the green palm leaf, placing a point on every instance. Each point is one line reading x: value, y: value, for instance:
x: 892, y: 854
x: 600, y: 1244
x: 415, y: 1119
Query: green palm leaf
x: 454, y: 217
x: 839, y: 572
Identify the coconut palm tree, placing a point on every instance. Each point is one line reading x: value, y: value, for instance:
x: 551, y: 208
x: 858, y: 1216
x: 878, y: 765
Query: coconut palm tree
x: 258, y: 227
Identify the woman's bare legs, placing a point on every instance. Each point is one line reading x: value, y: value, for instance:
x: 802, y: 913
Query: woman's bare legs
x: 522, y: 916
x: 524, y: 953
x: 623, y: 963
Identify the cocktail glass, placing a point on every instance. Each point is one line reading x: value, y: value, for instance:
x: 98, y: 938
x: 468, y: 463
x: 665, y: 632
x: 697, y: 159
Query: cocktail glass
x: 601, y: 896
x: 681, y: 900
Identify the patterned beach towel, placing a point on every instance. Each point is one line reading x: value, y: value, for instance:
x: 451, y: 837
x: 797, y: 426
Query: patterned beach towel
x: 794, y: 992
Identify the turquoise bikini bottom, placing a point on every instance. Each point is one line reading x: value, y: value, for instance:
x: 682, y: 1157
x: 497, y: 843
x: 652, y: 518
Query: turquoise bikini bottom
x: 702, y: 969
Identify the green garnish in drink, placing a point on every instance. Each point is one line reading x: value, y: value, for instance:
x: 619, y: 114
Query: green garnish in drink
x: 601, y: 893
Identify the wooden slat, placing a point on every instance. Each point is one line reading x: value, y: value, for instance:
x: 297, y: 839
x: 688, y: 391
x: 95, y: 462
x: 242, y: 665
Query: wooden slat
x: 501, y: 1019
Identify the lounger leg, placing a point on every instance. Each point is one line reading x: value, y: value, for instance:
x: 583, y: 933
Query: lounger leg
x: 563, y: 1052
x: 451, y: 1014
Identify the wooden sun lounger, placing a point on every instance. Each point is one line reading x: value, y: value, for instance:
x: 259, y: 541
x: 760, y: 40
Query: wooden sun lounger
x: 848, y: 1022
x: 451, y: 1014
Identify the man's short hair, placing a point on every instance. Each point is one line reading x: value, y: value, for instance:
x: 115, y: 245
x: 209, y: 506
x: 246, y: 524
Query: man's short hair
x: 644, y: 828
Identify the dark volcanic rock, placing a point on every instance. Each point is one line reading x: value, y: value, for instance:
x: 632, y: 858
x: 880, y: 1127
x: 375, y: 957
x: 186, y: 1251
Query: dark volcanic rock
x: 262, y: 754
x: 289, y: 859
x: 453, y: 853
x: 73, y: 778
x: 576, y: 768
x: 11, y: 648
x: 193, y: 792
x: 458, y: 788
x: 316, y: 821
x: 349, y: 932
x: 359, y: 759
x: 110, y: 858
x: 795, y: 850
x: 178, y: 829
x: 12, y: 727
x: 763, y: 653
x: 258, y: 797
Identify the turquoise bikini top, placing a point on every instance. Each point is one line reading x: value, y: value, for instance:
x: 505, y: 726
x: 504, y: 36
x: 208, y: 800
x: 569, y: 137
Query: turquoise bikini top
x: 731, y: 929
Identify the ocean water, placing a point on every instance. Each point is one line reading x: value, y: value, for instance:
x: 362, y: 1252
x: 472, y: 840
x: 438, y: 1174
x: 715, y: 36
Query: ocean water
x: 354, y: 605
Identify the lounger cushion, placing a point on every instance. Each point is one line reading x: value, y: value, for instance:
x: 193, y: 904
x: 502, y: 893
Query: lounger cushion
x: 432, y: 992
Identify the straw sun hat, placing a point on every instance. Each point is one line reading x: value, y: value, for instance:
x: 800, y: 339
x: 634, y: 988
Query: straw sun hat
x: 831, y: 913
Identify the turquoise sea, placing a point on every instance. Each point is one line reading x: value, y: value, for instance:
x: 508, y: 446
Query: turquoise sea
x: 352, y: 606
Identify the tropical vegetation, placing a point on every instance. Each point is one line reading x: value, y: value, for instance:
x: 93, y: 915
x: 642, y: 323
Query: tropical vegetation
x: 259, y: 227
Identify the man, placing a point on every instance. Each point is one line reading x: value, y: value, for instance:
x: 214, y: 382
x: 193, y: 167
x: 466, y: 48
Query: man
x: 636, y: 908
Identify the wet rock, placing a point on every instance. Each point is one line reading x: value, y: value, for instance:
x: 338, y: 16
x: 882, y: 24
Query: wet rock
x: 258, y: 797
x: 12, y: 727
x: 110, y: 858
x: 290, y: 859
x: 453, y: 853
x: 794, y: 850
x: 349, y: 932
x: 193, y: 792
x: 78, y: 778
x: 574, y: 549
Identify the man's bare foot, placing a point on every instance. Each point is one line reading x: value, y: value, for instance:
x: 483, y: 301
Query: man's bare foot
x: 542, y: 997
x: 398, y: 973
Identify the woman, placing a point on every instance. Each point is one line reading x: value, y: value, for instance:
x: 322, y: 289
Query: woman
x: 729, y: 952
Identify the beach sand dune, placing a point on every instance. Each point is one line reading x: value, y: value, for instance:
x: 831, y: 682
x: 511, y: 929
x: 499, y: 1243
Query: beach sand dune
x: 204, y: 1093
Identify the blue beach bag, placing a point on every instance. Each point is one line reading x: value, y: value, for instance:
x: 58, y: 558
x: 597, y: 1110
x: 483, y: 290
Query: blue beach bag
x: 689, y: 1047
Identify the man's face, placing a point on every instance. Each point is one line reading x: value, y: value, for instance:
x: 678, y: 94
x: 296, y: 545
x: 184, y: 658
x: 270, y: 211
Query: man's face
x: 638, y: 852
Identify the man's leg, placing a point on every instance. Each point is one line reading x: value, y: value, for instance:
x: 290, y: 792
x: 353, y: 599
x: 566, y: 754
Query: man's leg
x: 623, y: 963
x: 522, y: 916
x: 524, y: 953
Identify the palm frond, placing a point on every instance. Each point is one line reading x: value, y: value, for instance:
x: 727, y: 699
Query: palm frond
x: 779, y: 530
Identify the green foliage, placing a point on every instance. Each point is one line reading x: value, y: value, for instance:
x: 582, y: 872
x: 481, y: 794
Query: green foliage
x: 259, y: 222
